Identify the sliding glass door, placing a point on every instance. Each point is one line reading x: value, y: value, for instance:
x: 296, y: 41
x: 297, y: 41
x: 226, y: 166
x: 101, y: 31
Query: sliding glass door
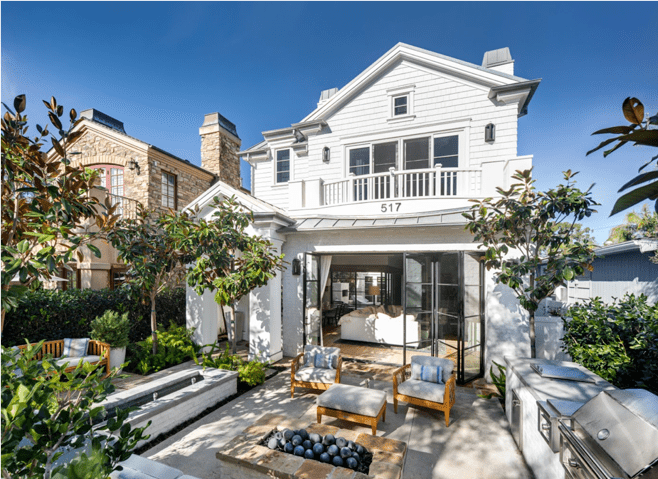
x: 443, y: 317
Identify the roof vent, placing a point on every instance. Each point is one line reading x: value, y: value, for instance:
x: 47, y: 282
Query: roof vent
x: 326, y: 94
x: 499, y: 60
x: 103, y: 119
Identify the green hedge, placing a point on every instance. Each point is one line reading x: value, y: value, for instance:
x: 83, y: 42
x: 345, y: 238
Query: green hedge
x: 52, y: 314
x: 618, y: 341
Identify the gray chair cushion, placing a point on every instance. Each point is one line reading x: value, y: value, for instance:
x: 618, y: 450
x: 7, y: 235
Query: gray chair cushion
x: 313, y: 349
x: 72, y: 362
x: 423, y: 390
x: 354, y: 399
x: 140, y: 467
x: 316, y: 375
x: 446, y: 364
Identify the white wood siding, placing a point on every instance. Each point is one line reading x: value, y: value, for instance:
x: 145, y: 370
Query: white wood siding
x: 438, y: 98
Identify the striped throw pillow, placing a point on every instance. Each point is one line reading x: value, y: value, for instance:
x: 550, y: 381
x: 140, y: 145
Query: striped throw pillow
x: 430, y: 374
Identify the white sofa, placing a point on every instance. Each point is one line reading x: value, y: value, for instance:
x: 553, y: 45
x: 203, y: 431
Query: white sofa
x: 384, y: 325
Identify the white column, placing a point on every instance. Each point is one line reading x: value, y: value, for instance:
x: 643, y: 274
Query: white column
x: 265, y: 316
x: 202, y: 313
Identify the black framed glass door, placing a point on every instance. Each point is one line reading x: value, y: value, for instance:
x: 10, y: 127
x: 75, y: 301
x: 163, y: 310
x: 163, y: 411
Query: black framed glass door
x: 444, y: 314
x: 312, y: 320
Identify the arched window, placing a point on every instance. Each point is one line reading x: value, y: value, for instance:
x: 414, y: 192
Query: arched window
x: 111, y: 177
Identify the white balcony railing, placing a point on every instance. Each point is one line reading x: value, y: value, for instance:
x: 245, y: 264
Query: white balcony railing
x: 425, y: 183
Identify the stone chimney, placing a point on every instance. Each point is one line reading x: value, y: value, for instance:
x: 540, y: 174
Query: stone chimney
x: 499, y: 60
x: 220, y: 145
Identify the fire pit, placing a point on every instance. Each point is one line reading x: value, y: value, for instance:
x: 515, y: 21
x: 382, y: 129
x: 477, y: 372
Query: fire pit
x: 259, y: 452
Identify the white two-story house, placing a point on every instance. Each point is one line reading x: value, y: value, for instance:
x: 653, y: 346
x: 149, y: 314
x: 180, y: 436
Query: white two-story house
x: 365, y: 197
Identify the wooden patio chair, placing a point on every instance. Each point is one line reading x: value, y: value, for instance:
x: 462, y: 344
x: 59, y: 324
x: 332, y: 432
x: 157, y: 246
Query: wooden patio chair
x: 311, y: 377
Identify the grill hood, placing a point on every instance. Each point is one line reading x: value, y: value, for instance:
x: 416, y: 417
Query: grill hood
x: 624, y: 424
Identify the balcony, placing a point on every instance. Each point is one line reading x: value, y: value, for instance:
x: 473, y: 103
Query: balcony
x: 126, y: 207
x: 404, y: 184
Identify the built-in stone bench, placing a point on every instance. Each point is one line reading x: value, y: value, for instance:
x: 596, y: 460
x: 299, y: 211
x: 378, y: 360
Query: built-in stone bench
x: 138, y: 467
x: 243, y: 458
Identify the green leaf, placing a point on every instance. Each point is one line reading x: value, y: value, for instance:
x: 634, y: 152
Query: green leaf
x: 94, y: 250
x: 615, y: 130
x: 640, y: 179
x: 634, y: 197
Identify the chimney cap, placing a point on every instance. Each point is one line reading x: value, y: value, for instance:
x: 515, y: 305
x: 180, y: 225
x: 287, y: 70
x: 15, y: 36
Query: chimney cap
x: 326, y: 94
x: 496, y: 57
x: 217, y: 119
x: 106, y: 120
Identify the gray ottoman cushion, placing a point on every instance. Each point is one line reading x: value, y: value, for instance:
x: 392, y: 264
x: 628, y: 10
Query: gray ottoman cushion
x: 423, y: 390
x: 316, y: 375
x: 138, y: 467
x: 363, y: 401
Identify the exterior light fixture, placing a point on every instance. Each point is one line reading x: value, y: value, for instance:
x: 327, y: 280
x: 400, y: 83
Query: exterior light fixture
x: 326, y: 154
x: 490, y: 133
x: 296, y: 267
x: 133, y: 165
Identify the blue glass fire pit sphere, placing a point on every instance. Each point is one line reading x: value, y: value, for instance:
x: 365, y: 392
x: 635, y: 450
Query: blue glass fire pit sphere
x: 351, y: 463
x: 315, y: 438
x: 297, y: 440
x: 307, y: 444
x: 333, y: 450
x: 308, y: 454
x: 299, y: 451
x: 360, y: 449
x: 341, y: 442
x: 356, y: 456
x: 273, y: 443
x: 318, y: 449
x: 351, y: 445
x: 337, y: 461
x: 289, y: 448
x: 324, y: 457
x: 303, y: 433
x: 287, y: 434
x: 345, y: 452
x: 328, y: 440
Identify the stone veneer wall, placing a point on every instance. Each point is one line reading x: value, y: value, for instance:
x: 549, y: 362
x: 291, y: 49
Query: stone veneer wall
x: 219, y: 155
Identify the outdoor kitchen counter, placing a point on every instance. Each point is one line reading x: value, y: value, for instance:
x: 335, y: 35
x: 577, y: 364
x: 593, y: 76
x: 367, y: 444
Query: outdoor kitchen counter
x: 524, y: 388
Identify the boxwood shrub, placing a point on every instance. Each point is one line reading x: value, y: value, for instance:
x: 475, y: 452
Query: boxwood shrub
x: 617, y: 341
x: 52, y: 314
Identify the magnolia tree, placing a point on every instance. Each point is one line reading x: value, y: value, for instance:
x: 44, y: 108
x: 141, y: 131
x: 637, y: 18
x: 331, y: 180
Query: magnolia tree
x: 48, y: 213
x: 643, y: 132
x: 228, y: 260
x: 155, y: 258
x: 539, y: 228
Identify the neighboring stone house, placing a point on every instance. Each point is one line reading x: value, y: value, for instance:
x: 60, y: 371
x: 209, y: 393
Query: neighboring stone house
x: 134, y: 171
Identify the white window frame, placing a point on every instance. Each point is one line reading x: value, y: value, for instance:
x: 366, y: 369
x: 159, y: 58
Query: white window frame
x: 460, y: 130
x: 276, y: 165
x: 398, y: 92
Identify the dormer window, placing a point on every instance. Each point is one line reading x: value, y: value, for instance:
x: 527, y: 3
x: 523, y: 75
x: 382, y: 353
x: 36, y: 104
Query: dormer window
x: 282, y: 166
x: 400, y: 105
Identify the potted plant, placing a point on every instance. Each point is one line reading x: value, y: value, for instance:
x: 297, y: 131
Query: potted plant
x: 112, y: 329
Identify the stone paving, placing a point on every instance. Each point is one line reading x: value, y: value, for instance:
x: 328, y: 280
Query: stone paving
x: 478, y: 443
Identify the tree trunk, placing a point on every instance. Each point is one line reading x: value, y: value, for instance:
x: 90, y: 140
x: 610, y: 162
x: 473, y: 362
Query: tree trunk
x: 154, y: 325
x: 234, y: 327
x: 533, y: 347
x: 2, y: 327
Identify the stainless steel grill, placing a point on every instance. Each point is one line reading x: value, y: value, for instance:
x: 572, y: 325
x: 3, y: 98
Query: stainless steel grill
x: 613, y: 435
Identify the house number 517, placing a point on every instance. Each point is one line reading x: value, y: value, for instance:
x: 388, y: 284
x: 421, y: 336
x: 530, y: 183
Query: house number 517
x: 390, y: 207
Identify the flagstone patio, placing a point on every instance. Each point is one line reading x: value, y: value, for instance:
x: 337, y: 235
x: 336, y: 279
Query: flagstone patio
x: 478, y: 443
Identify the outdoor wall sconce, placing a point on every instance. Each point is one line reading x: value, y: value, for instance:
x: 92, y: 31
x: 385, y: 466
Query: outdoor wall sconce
x: 296, y: 267
x: 133, y: 165
x: 326, y: 154
x: 490, y: 133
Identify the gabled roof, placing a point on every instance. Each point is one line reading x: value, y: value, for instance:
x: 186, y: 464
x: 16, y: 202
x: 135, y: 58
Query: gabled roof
x: 457, y: 67
x: 255, y: 205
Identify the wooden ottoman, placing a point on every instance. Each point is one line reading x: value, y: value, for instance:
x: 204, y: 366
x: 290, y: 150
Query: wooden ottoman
x: 353, y: 403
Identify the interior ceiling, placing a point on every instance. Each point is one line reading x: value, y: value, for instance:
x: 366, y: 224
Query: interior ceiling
x: 367, y: 262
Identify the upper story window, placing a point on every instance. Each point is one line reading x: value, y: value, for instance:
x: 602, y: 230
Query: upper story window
x: 169, y: 189
x: 446, y: 151
x: 400, y: 104
x: 360, y: 161
x: 111, y: 177
x: 282, y: 166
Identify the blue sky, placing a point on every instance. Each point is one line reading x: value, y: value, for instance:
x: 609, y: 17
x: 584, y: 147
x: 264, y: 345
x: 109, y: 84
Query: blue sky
x: 159, y: 67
